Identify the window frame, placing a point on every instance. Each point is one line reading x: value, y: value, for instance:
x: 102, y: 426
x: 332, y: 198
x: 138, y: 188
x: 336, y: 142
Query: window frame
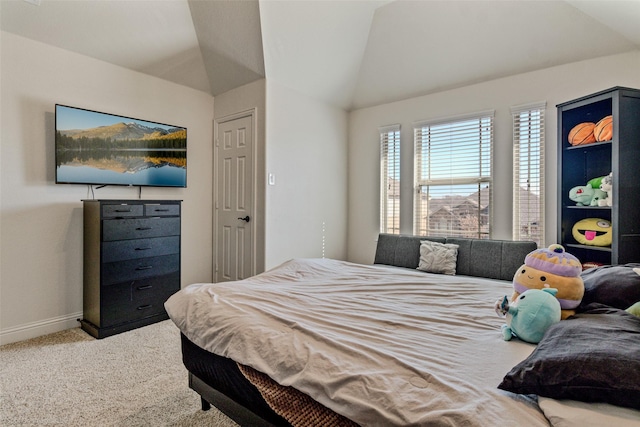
x: 390, y: 149
x: 463, y: 127
x: 528, y: 122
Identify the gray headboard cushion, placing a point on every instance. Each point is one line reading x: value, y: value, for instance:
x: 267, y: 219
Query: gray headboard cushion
x: 464, y: 265
x: 493, y: 259
x: 400, y: 250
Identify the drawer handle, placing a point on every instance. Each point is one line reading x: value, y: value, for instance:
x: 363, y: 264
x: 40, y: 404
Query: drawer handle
x: 143, y: 228
x: 144, y: 288
x: 144, y: 267
x: 161, y: 210
x: 143, y: 249
x: 144, y: 307
x: 122, y: 210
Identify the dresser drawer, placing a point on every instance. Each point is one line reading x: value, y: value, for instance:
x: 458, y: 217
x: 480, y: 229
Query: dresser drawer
x: 137, y: 299
x: 157, y: 209
x: 139, y: 228
x: 119, y: 314
x: 121, y: 210
x: 156, y: 289
x: 121, y: 250
x: 121, y: 271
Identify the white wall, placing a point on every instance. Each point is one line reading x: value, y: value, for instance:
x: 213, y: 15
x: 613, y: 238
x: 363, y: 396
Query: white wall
x: 41, y: 222
x: 553, y: 85
x: 306, y: 209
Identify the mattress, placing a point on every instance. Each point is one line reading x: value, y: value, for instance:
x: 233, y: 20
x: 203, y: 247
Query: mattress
x: 378, y: 345
x: 225, y: 376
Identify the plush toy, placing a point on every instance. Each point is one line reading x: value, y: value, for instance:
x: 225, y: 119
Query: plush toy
x: 552, y: 267
x: 595, y: 182
x: 590, y: 194
x: 606, y: 185
x: 634, y: 309
x: 585, y: 195
x: 593, y: 232
x: 530, y: 315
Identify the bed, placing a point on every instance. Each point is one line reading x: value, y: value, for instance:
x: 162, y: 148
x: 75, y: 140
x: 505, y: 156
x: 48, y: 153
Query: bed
x: 328, y: 342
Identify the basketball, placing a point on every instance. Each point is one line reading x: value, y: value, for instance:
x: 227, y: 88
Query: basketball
x: 603, y: 131
x: 582, y: 133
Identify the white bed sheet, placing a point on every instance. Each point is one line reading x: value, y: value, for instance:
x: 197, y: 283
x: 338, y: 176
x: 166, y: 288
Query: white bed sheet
x: 571, y: 413
x: 380, y: 345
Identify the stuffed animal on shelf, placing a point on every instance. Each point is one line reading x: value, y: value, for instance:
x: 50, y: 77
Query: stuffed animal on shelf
x: 530, y: 315
x: 606, y: 185
x: 586, y: 195
x: 590, y: 194
x: 552, y: 267
x: 593, y: 232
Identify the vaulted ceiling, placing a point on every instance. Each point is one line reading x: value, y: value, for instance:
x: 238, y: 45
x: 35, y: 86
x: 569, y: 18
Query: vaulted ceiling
x: 351, y: 54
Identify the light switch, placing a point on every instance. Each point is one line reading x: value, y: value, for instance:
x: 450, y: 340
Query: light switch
x: 272, y: 179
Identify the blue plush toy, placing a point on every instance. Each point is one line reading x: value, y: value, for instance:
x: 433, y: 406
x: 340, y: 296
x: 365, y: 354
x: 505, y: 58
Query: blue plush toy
x: 530, y: 315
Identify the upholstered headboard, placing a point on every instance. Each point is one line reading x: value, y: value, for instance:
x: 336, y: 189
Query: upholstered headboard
x: 493, y: 259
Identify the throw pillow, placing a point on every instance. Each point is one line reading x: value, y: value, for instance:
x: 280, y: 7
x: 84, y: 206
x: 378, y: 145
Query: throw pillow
x: 591, y: 357
x: 613, y: 285
x: 438, y: 257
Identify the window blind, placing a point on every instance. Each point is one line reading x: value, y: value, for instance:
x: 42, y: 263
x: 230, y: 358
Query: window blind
x: 528, y: 172
x: 390, y: 179
x: 453, y: 159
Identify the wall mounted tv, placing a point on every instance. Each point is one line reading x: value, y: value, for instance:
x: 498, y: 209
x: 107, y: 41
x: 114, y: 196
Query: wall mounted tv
x: 94, y: 148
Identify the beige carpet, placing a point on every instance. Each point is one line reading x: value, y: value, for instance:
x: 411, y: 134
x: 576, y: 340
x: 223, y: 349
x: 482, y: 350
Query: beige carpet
x: 71, y: 379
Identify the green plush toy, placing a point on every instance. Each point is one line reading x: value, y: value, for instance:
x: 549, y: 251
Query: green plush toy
x: 595, y: 182
x: 530, y: 315
x: 585, y: 195
x: 590, y: 194
x: 634, y: 309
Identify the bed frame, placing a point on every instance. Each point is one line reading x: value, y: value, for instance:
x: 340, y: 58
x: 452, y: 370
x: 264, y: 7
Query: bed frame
x: 493, y: 259
x: 232, y: 409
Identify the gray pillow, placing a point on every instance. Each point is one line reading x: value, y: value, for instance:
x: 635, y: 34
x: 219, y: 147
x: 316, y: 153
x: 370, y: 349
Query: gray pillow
x: 591, y: 357
x: 438, y: 257
x: 613, y: 285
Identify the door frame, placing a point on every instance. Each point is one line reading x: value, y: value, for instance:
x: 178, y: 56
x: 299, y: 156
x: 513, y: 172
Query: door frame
x: 252, y: 113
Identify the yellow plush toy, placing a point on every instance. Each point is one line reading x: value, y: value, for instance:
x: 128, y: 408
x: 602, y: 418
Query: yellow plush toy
x: 552, y: 267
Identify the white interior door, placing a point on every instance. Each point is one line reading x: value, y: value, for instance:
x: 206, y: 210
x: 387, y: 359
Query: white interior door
x: 234, y: 223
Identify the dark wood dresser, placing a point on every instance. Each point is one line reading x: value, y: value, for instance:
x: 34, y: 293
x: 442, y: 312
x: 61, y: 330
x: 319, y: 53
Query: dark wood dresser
x: 131, y: 263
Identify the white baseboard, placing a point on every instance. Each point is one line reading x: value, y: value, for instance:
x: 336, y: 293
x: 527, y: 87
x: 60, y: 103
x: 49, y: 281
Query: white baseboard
x: 41, y: 327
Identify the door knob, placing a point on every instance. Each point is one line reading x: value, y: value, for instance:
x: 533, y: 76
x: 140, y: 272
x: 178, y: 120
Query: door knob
x: 246, y: 218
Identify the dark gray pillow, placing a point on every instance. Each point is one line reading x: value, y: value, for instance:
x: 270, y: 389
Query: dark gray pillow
x: 592, y: 357
x: 613, y: 285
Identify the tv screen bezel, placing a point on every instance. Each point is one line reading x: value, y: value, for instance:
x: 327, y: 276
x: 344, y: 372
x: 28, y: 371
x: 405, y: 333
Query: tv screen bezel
x: 103, y: 183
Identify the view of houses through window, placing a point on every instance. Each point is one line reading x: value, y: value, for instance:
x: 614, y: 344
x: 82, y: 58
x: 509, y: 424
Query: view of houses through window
x: 453, y: 177
x: 390, y: 179
x: 528, y: 172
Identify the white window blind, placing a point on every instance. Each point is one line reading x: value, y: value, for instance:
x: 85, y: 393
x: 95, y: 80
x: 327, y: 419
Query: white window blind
x: 453, y: 159
x: 528, y: 172
x: 390, y: 179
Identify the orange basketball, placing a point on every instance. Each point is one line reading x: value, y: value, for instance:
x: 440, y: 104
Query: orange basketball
x: 582, y: 133
x: 604, y: 129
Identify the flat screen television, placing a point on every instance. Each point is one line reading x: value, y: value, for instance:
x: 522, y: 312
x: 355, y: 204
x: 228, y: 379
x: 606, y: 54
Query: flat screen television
x: 94, y: 148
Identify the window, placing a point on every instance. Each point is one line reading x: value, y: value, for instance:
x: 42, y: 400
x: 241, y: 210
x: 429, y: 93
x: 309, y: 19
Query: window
x: 528, y: 172
x: 390, y: 179
x: 453, y: 176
